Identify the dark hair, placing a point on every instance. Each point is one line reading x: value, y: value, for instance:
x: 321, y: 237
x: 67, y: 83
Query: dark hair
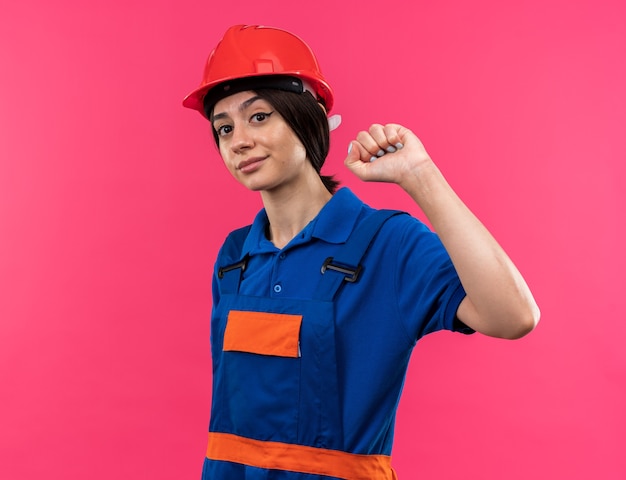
x: 307, y: 119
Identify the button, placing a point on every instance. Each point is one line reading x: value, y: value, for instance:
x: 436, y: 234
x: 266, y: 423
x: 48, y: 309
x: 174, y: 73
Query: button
x: 278, y: 288
x: 282, y: 256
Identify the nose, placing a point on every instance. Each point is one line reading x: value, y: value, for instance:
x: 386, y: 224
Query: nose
x: 241, y: 139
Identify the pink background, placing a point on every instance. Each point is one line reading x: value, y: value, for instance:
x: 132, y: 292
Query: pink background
x: 113, y: 202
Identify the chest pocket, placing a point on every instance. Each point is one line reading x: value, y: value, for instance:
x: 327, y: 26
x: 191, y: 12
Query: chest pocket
x: 263, y: 333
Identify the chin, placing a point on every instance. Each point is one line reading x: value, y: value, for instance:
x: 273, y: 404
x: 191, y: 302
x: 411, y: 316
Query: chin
x: 256, y: 185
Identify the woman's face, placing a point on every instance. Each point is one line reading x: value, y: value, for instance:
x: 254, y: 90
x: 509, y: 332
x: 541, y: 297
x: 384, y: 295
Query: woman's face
x: 258, y: 147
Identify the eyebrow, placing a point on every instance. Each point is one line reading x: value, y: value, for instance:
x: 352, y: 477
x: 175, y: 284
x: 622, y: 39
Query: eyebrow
x: 241, y: 108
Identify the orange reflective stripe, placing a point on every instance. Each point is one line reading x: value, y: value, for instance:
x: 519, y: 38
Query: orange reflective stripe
x: 263, y: 333
x: 298, y: 458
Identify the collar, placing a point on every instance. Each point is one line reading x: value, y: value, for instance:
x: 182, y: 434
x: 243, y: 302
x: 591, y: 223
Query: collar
x: 333, y: 224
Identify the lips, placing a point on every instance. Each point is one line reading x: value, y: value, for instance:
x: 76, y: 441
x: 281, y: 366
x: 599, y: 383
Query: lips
x: 250, y: 164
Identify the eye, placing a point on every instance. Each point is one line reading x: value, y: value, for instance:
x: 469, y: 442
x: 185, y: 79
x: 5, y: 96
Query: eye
x: 260, y: 117
x: 223, y: 130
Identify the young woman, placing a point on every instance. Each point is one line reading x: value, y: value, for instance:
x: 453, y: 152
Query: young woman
x: 318, y: 304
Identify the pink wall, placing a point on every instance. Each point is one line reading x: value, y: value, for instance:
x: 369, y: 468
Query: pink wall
x: 113, y: 203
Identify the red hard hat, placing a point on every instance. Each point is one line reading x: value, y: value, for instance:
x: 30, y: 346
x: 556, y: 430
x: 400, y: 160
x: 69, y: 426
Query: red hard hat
x: 253, y: 51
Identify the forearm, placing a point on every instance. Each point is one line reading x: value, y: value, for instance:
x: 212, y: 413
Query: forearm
x: 499, y: 302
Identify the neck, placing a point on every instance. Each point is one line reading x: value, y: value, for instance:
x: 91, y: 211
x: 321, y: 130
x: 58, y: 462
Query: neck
x: 290, y: 210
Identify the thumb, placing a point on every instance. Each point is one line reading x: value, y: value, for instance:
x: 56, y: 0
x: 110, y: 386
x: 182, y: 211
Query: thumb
x: 354, y: 160
x: 353, y: 152
x: 356, y: 153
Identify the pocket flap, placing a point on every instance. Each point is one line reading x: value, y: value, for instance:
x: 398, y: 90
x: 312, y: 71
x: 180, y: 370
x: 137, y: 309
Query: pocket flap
x: 263, y: 333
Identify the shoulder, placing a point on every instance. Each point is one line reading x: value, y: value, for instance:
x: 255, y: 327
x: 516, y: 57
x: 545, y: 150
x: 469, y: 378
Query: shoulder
x: 395, y: 225
x: 232, y: 250
x: 404, y: 242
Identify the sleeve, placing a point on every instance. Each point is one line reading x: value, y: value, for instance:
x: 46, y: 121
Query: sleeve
x: 215, y: 286
x: 215, y: 290
x: 215, y: 295
x: 428, y: 288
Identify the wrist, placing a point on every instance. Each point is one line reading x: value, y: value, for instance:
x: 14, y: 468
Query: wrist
x: 422, y: 179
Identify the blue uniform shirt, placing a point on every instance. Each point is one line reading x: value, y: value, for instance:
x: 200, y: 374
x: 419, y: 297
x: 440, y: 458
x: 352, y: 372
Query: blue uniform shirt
x: 408, y: 288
